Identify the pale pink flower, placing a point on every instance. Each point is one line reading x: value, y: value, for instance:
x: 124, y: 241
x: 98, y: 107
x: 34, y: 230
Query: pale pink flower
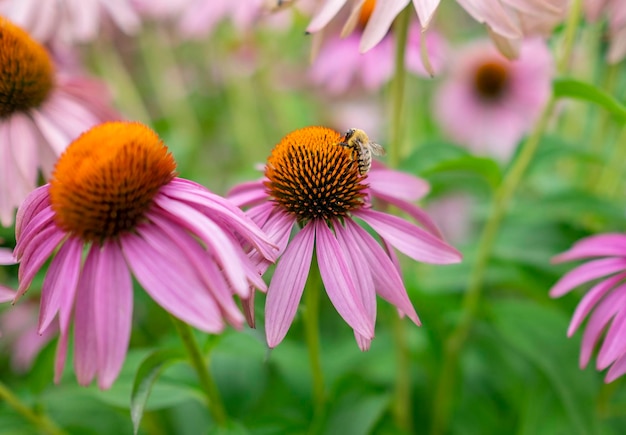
x: 615, y: 11
x: 69, y: 20
x: 20, y: 332
x: 607, y: 299
x: 508, y: 20
x: 340, y: 66
x: 42, y: 108
x: 312, y: 183
x: 6, y: 258
x: 489, y: 102
x: 114, y: 197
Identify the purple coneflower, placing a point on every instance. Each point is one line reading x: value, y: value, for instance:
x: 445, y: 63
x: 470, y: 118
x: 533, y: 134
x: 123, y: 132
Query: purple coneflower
x: 615, y: 11
x: 489, y: 102
x: 314, y: 183
x: 115, y: 200
x: 69, y: 20
x: 339, y: 64
x: 41, y: 110
x: 607, y: 299
x: 507, y: 20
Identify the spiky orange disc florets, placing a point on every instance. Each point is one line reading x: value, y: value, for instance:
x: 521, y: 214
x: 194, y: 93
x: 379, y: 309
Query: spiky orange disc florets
x: 105, y: 181
x: 313, y: 177
x: 26, y: 72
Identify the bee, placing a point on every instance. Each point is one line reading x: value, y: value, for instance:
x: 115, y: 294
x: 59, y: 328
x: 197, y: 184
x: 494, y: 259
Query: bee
x: 361, y: 146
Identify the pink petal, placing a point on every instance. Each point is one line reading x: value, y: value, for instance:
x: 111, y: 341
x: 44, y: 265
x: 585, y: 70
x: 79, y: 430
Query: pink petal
x: 32, y: 205
x: 339, y: 282
x: 387, y: 279
x: 595, y: 246
x: 322, y: 17
x: 6, y: 257
x: 410, y: 239
x: 587, y: 272
x: 591, y: 299
x: 6, y: 294
x: 248, y: 194
x: 44, y: 219
x: 616, y: 370
x: 113, y: 298
x: 425, y: 10
x: 167, y: 277
x: 59, y: 285
x: 85, y: 332
x: 285, y: 290
x: 415, y: 212
x: 380, y: 21
x: 397, y: 184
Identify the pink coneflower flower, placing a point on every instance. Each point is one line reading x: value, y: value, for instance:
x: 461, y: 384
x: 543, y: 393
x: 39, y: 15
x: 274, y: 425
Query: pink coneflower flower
x: 339, y: 65
x: 69, y: 20
x: 489, y: 102
x: 20, y: 333
x: 615, y: 11
x: 41, y: 111
x: 607, y: 299
x: 313, y: 183
x: 507, y: 19
x: 114, y: 198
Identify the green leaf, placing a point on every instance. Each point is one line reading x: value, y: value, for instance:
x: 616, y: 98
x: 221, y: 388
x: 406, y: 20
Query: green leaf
x: 570, y: 88
x: 483, y: 167
x: 146, y: 376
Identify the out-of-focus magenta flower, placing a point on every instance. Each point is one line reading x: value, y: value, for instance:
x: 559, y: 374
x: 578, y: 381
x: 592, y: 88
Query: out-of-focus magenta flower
x: 313, y: 183
x: 605, y: 302
x: 615, y: 10
x: 69, y: 20
x: 339, y: 65
x: 489, y: 102
x: 19, y: 328
x: 509, y: 21
x: 42, y: 108
x: 114, y: 197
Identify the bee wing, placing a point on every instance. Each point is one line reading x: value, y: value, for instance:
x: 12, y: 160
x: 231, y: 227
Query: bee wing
x: 377, y: 149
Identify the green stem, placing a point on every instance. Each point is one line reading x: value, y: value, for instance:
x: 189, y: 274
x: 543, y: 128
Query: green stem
x: 401, y: 31
x: 402, y: 390
x: 43, y: 423
x: 311, y: 327
x: 471, y: 301
x: 214, y: 400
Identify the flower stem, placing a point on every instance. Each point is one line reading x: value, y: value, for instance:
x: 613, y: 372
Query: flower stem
x: 402, y: 390
x: 471, y: 301
x: 43, y: 423
x: 214, y: 400
x: 311, y: 327
x: 401, y: 32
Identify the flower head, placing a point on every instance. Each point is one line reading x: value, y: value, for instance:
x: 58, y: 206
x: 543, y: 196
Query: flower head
x: 314, y: 182
x: 605, y: 302
x: 489, y: 102
x: 114, y: 197
x: 67, y: 20
x: 42, y: 108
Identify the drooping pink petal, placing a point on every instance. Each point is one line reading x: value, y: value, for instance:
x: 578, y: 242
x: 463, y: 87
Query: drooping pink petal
x: 380, y: 21
x: 387, y: 280
x: 617, y: 369
x: 327, y: 11
x: 85, y: 332
x: 6, y: 257
x: 6, y: 294
x: 39, y: 222
x: 248, y: 194
x: 425, y: 10
x: 492, y: 13
x: 587, y: 272
x: 595, y: 294
x: 396, y: 184
x: 613, y: 345
x: 59, y: 285
x: 32, y: 205
x: 410, y: 239
x: 285, y: 290
x: 610, y: 244
x: 160, y: 268
x: 415, y: 212
x: 339, y: 282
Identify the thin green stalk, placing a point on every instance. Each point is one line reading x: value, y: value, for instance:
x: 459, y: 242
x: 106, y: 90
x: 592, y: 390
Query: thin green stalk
x: 471, y: 301
x: 41, y: 422
x: 311, y: 327
x: 201, y: 366
x: 402, y: 389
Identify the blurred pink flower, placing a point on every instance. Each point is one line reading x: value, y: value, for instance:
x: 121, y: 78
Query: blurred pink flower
x: 615, y: 11
x: 6, y: 258
x: 42, y: 108
x: 69, y: 20
x: 313, y: 183
x: 19, y: 326
x: 489, y: 102
x: 507, y: 20
x: 339, y: 66
x: 114, y: 197
x: 607, y: 299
